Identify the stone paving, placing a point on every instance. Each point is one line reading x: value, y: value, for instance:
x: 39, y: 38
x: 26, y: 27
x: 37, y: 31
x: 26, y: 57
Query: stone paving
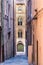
x: 17, y: 60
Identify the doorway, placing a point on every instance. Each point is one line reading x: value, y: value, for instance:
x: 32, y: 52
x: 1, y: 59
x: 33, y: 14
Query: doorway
x: 37, y: 52
x: 33, y: 55
x: 20, y: 48
x: 0, y: 45
x: 1, y: 48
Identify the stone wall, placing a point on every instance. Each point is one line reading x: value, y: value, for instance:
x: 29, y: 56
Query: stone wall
x: 8, y: 29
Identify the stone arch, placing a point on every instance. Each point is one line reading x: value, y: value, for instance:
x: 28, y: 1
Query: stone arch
x: 20, y: 47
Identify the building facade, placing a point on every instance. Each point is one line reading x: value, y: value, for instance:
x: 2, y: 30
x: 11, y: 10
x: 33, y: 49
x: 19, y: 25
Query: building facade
x: 20, y: 27
x: 0, y: 31
x: 28, y: 24
x: 37, y: 31
x: 1, y: 46
x: 37, y: 27
x: 7, y: 28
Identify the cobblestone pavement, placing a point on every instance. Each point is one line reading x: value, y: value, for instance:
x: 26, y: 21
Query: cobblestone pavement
x: 17, y: 60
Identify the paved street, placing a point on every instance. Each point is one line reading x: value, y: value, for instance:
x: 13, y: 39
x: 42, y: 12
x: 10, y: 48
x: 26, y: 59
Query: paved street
x: 18, y: 60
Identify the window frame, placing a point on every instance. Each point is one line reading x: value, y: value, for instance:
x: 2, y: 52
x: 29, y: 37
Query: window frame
x: 20, y: 21
x: 20, y: 34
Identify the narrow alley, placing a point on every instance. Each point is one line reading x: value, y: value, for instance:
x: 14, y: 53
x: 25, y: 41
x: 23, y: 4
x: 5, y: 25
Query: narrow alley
x: 17, y: 60
x: 21, y: 32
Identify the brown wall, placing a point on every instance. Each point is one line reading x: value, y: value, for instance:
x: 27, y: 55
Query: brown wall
x: 37, y: 31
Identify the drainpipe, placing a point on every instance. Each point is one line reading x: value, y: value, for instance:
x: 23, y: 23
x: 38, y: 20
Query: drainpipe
x: 13, y: 32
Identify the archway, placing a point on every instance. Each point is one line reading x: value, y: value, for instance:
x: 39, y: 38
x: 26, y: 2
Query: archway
x: 20, y: 47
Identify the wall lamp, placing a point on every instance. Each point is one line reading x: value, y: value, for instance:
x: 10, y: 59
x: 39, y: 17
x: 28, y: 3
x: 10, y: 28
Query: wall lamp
x: 35, y: 17
x: 36, y: 10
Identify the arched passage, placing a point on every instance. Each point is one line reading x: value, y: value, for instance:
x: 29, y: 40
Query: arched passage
x: 20, y: 47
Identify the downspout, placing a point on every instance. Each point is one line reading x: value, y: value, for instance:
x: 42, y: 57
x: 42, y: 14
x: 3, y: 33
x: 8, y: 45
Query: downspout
x: 13, y: 32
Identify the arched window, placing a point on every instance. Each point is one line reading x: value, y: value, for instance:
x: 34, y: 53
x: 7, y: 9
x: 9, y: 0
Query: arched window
x: 19, y: 34
x: 20, y: 8
x: 20, y: 20
x: 20, y: 47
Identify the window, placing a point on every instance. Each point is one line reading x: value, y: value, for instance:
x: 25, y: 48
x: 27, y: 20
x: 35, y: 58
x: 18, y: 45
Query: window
x: 20, y: 34
x: 9, y: 34
x: 20, y: 8
x: 19, y: 21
